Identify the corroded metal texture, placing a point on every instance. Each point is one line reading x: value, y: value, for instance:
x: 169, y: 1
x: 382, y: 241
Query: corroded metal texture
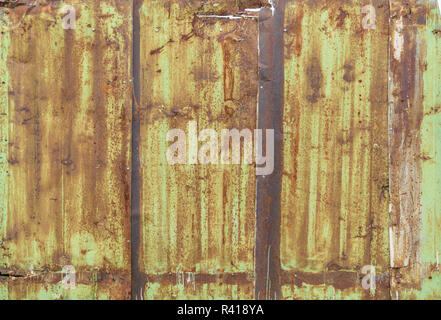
x: 65, y: 151
x: 350, y: 87
x: 214, y: 7
x: 335, y: 161
x: 197, y: 221
x: 406, y: 111
x: 414, y: 142
x: 267, y: 260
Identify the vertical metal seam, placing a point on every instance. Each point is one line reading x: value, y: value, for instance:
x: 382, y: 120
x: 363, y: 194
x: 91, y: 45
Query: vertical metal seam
x: 389, y: 129
x: 268, y: 189
x: 136, y: 278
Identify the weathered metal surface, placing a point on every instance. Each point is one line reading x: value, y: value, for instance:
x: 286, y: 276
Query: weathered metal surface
x: 267, y: 261
x: 350, y: 88
x: 334, y: 207
x: 196, y: 221
x: 414, y: 141
x: 431, y: 157
x: 65, y: 150
x: 214, y: 7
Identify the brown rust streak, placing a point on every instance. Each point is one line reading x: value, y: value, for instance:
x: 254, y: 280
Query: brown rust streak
x: 228, y: 71
x: 268, y: 188
x: 202, y: 278
x: 407, y: 58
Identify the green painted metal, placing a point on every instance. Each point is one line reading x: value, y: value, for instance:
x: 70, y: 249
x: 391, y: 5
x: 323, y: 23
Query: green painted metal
x: 360, y: 171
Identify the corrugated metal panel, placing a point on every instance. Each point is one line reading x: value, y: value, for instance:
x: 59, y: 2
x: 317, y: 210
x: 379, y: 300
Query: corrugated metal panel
x: 415, y: 176
x: 197, y: 221
x: 65, y: 151
x: 354, y: 102
x: 431, y: 159
x: 335, y: 160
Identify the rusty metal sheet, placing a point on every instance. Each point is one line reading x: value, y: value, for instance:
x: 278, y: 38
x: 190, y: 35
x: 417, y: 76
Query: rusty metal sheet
x: 414, y: 141
x: 334, y: 206
x: 196, y: 222
x: 65, y: 100
x: 351, y: 89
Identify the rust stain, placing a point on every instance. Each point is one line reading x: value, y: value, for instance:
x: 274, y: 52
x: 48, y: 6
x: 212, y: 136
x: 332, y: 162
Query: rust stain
x: 405, y: 94
x: 85, y: 182
x: 69, y: 145
x: 268, y: 189
x: 414, y: 247
x: 340, y: 19
x: 335, y: 142
x: 199, y: 278
x: 228, y: 71
x: 195, y: 220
